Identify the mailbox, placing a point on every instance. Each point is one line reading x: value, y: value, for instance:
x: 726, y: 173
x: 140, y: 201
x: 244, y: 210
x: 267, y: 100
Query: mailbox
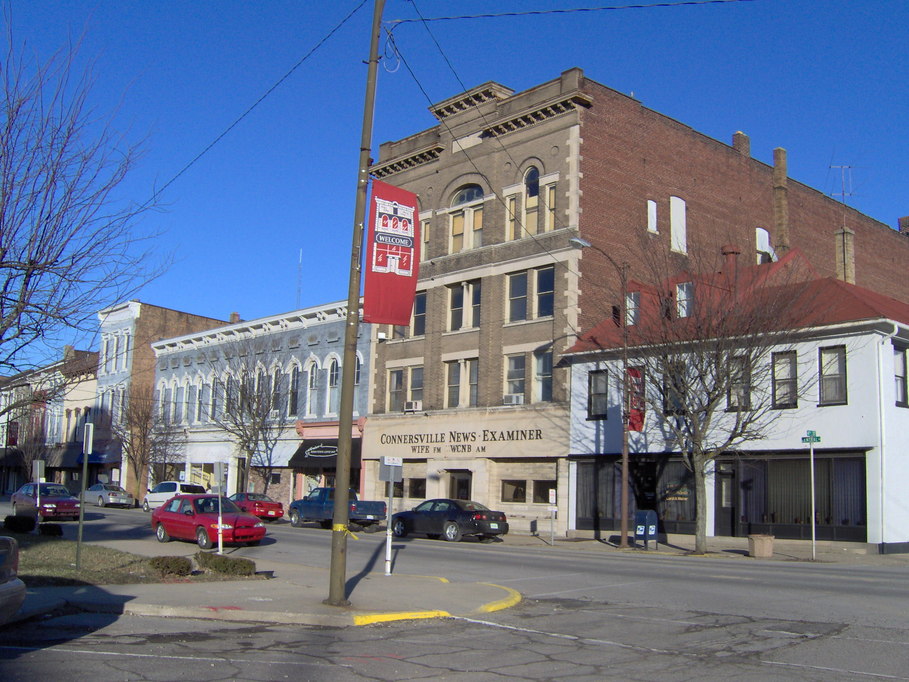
x: 645, y: 527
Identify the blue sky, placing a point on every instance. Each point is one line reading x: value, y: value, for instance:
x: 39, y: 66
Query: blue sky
x: 825, y: 79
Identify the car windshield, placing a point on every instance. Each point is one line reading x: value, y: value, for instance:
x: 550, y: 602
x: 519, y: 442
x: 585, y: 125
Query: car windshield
x: 55, y: 490
x: 258, y: 497
x: 114, y: 488
x: 209, y: 505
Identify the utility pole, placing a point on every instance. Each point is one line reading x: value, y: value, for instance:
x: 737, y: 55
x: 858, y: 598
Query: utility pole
x: 341, y: 516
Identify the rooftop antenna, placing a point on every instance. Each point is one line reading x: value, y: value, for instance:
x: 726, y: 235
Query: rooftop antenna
x: 843, y: 193
x: 299, y: 278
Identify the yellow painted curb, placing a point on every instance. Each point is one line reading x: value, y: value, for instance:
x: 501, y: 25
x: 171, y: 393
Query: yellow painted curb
x: 371, y: 618
x: 513, y: 598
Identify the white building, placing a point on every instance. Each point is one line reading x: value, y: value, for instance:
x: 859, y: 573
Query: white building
x: 843, y: 376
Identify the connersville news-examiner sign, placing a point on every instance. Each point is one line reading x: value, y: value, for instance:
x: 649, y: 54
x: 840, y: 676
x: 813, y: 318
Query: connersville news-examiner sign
x: 459, y: 441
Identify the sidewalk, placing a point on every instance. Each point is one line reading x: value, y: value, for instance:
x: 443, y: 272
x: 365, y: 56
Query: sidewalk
x: 295, y: 593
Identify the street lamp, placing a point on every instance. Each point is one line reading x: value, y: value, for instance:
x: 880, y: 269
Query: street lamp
x: 622, y: 270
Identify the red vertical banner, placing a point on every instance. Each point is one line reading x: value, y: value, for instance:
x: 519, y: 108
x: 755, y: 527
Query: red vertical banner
x: 636, y: 399
x: 393, y: 255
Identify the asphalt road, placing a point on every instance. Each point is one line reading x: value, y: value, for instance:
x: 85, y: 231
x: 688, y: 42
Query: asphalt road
x: 587, y: 615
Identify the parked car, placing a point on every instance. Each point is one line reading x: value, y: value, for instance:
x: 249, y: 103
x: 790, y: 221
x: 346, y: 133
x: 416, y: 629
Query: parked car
x: 319, y: 505
x: 12, y: 589
x: 195, y: 517
x: 165, y: 490
x: 450, y: 519
x: 56, y: 501
x: 104, y: 494
x: 259, y: 505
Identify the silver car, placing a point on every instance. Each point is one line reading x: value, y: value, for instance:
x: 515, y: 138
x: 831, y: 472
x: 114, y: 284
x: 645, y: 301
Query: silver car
x: 12, y: 589
x: 104, y: 494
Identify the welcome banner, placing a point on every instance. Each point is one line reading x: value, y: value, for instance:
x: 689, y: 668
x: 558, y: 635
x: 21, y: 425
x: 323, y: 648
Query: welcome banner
x: 393, y: 255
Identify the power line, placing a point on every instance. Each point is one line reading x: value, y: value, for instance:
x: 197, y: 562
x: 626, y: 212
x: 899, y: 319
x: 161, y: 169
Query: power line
x: 576, y: 10
x: 255, y: 104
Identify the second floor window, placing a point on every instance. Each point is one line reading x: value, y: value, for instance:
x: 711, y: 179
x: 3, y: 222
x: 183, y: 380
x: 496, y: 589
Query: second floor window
x: 543, y: 376
x: 900, y: 375
x: 515, y: 377
x: 467, y: 219
x: 464, y: 305
x: 785, y: 380
x: 517, y: 297
x: 597, y: 394
x: 739, y: 393
x: 832, y: 370
x: 396, y: 390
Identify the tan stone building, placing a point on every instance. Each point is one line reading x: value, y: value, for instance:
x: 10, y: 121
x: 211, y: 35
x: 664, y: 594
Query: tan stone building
x: 471, y: 394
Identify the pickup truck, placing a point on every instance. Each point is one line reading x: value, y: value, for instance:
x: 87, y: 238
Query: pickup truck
x: 319, y: 505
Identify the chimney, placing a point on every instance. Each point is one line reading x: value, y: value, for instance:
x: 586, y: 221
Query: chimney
x: 904, y: 225
x: 234, y: 317
x: 730, y: 268
x: 741, y: 143
x: 780, y: 201
x: 845, y: 255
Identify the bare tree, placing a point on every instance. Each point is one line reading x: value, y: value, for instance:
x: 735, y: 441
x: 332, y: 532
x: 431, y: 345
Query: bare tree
x: 69, y: 245
x: 700, y: 355
x: 250, y: 404
x: 148, y: 440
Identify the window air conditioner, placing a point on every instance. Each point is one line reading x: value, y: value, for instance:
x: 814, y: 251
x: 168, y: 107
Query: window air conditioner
x: 513, y: 399
x: 413, y: 406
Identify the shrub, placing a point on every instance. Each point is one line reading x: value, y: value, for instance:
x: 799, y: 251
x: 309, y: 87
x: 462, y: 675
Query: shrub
x: 20, y: 524
x: 54, y: 530
x: 172, y: 565
x: 225, y: 564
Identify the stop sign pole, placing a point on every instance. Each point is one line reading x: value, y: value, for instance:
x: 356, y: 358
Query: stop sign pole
x: 811, y: 438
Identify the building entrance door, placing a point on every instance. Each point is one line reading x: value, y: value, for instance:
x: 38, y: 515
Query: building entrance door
x: 459, y: 484
x: 725, y: 499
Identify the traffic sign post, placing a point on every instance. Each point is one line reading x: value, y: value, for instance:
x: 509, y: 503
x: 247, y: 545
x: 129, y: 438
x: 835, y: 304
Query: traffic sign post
x: 811, y: 438
x: 391, y: 470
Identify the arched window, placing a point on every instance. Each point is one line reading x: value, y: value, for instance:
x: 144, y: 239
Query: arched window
x: 531, y: 200
x: 293, y: 395
x: 466, y: 219
x: 333, y: 386
x: 311, y: 383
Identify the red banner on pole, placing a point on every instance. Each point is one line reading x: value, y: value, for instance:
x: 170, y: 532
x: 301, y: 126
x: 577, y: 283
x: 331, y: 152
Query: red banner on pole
x: 636, y: 399
x: 393, y: 255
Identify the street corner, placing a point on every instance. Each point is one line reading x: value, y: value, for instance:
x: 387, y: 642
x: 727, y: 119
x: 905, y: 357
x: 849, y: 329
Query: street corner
x: 511, y: 598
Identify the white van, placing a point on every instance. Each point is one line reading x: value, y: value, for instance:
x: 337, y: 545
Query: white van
x: 165, y: 490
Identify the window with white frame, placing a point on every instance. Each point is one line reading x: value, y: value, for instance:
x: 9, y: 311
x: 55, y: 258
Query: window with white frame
x: 293, y: 395
x: 678, y: 225
x: 396, y: 390
x: 514, y: 226
x: 462, y: 382
x: 517, y: 296
x: 312, y: 383
x: 785, y: 379
x: 684, y: 299
x: 425, y: 231
x: 549, y: 195
x: 415, y: 385
x: 632, y: 308
x: 652, y: 216
x: 545, y: 292
x: 543, y: 376
x: 464, y: 305
x: 466, y: 219
x: 597, y: 394
x: 738, y: 396
x: 334, y: 386
x: 515, y: 377
x: 531, y: 200
x: 901, y: 375
x: 832, y: 370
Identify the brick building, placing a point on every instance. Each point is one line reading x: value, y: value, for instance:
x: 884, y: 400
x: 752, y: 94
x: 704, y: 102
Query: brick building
x: 126, y: 365
x: 470, y: 394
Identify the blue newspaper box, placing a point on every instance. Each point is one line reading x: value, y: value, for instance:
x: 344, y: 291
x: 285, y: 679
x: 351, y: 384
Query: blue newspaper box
x: 645, y: 527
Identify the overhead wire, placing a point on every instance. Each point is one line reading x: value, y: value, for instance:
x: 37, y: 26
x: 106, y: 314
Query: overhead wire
x: 255, y: 104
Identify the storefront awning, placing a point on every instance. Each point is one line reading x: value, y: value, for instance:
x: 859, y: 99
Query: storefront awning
x: 319, y: 454
x: 104, y: 453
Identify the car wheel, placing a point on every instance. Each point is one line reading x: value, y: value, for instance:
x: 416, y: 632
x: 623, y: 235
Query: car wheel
x: 399, y: 528
x: 202, y: 538
x: 100, y: 501
x: 451, y: 531
x: 145, y: 507
x: 295, y: 519
x: 161, y: 533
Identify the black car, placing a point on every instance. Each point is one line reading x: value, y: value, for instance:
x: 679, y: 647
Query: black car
x: 450, y: 519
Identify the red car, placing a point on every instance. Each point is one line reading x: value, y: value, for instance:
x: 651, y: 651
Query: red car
x: 55, y: 500
x: 195, y: 517
x: 259, y: 505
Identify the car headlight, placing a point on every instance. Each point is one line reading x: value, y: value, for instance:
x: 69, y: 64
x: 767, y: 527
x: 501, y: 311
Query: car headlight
x: 259, y: 525
x: 223, y: 526
x: 49, y: 506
